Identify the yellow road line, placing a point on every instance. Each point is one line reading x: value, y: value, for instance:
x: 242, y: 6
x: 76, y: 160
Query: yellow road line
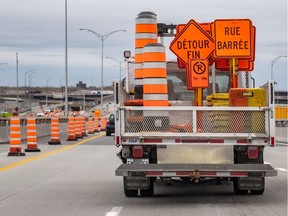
x: 46, y: 154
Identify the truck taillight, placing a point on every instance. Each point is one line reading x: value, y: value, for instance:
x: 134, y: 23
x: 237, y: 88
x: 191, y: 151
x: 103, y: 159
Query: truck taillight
x: 117, y: 140
x: 137, y: 151
x: 252, y: 152
x: 272, y: 141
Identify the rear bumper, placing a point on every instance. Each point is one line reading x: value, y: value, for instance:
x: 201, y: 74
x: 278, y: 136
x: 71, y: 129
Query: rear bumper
x: 202, y: 170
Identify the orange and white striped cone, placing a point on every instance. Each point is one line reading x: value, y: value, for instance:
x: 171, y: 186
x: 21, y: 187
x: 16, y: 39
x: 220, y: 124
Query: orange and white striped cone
x: 103, y: 124
x: 78, y: 128
x: 15, y: 137
x: 55, y: 132
x: 31, y: 135
x: 90, y: 126
x: 71, y: 129
x: 96, y: 125
x: 83, y: 126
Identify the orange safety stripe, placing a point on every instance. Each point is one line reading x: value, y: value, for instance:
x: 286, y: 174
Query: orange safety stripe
x: 138, y: 58
x: 154, y: 57
x: 15, y: 128
x: 14, y: 121
x: 31, y: 127
x: 155, y: 103
x: 138, y: 73
x: 139, y: 43
x: 32, y: 139
x: 155, y: 88
x: 154, y: 72
x: 31, y: 133
x: 146, y: 28
x: 15, y: 135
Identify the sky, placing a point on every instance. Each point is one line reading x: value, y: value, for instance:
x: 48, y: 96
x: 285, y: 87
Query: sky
x: 35, y: 29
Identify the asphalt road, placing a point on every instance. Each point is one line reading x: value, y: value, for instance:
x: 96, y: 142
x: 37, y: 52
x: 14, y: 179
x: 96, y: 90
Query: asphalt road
x: 77, y: 178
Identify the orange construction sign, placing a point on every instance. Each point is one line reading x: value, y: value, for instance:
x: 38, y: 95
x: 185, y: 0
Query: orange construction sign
x: 233, y: 38
x: 192, y: 42
x: 198, y: 73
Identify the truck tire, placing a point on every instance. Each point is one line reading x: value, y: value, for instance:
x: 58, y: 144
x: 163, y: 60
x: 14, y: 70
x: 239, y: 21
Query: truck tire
x: 150, y: 191
x: 259, y: 192
x: 108, y: 133
x: 130, y: 193
x: 236, y: 187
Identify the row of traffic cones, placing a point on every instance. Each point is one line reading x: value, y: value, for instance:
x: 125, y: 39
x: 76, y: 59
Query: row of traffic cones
x: 15, y: 136
x: 76, y: 130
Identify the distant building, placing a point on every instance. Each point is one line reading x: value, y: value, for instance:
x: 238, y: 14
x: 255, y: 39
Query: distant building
x: 81, y: 85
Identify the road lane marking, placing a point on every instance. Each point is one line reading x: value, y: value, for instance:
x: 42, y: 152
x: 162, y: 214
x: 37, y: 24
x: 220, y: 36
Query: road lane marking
x: 19, y: 163
x: 115, y: 211
x: 282, y: 169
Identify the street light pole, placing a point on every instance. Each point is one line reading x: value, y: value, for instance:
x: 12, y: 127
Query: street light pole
x: 102, y: 38
x: 274, y: 61
x: 66, y: 64
x: 27, y: 72
x: 120, y: 66
x: 46, y: 91
x: 17, y: 77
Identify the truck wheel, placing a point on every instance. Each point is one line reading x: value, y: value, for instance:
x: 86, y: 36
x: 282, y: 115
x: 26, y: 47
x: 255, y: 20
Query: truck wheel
x: 150, y: 191
x: 236, y: 187
x: 258, y: 192
x: 127, y: 192
x: 130, y: 193
x: 108, y: 133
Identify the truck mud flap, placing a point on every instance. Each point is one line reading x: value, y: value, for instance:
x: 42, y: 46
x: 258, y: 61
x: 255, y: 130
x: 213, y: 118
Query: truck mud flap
x: 199, y: 170
x: 251, y: 183
x: 136, y: 182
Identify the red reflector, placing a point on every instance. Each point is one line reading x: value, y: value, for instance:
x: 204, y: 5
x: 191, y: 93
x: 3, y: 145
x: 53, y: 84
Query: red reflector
x: 242, y: 141
x: 272, y: 141
x: 137, y: 151
x: 117, y: 140
x: 252, y: 152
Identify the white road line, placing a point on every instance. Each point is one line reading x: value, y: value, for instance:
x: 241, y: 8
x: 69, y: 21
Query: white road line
x: 282, y: 169
x: 115, y: 211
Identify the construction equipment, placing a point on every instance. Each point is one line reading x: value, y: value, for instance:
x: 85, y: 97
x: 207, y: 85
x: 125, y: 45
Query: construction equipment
x: 191, y: 138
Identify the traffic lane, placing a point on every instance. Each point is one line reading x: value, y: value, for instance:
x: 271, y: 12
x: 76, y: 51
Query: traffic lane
x: 94, y: 190
x: 79, y: 181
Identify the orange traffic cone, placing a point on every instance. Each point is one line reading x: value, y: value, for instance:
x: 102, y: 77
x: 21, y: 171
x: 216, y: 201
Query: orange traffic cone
x: 83, y: 126
x: 71, y: 129
x: 55, y: 131
x: 15, y: 137
x: 31, y: 135
x: 103, y: 124
x: 90, y: 126
x: 78, y: 128
x: 96, y: 124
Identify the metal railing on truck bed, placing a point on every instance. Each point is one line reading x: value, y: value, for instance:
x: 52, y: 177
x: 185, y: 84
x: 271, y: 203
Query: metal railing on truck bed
x: 200, y: 122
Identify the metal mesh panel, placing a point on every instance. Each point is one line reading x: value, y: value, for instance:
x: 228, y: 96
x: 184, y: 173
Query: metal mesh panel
x: 207, y: 121
x: 230, y: 122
